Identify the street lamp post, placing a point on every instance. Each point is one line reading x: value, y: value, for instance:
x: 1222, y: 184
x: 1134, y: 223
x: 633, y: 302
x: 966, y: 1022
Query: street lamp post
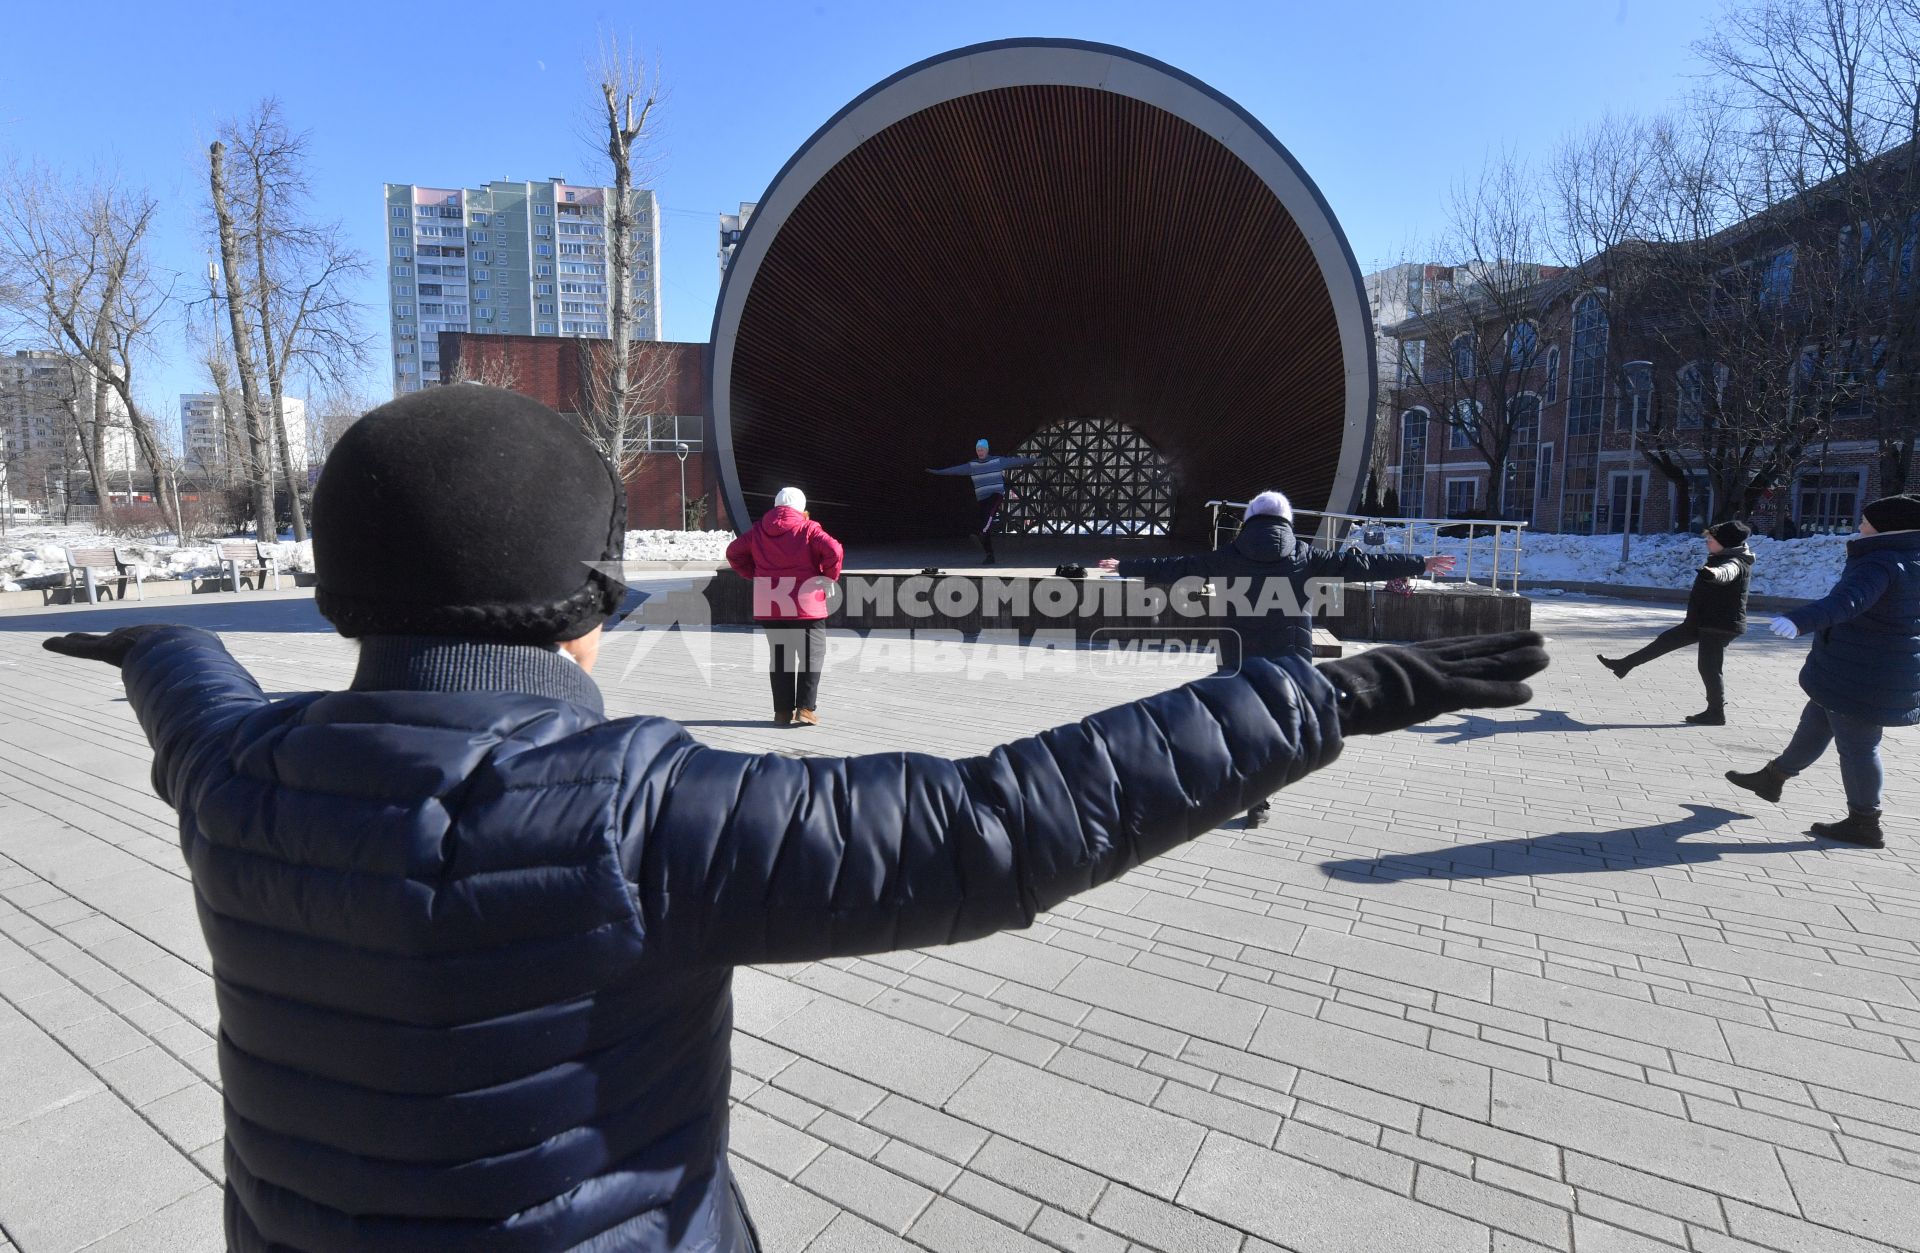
x: 680, y: 451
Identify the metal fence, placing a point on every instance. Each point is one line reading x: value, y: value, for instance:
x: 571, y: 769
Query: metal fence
x: 1489, y: 550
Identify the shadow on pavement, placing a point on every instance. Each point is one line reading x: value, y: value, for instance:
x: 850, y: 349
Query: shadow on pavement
x: 1566, y: 852
x: 1478, y: 727
x: 225, y: 613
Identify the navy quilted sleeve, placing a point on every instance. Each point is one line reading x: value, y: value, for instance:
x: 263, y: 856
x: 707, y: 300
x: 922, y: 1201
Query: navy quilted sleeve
x: 188, y: 693
x: 738, y: 858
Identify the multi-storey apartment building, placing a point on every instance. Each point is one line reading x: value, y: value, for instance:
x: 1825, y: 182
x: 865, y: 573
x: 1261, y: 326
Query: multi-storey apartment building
x: 732, y: 227
x: 508, y: 258
x: 36, y: 432
x: 203, y: 430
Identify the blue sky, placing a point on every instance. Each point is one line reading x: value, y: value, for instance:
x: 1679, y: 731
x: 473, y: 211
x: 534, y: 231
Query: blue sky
x: 1384, y: 104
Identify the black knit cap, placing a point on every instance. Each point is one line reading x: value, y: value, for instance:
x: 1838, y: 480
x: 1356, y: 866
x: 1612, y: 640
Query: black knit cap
x: 1731, y: 533
x: 469, y: 511
x: 1895, y: 513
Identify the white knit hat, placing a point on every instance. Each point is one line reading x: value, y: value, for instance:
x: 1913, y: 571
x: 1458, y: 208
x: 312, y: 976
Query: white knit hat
x: 1275, y: 503
x: 792, y: 498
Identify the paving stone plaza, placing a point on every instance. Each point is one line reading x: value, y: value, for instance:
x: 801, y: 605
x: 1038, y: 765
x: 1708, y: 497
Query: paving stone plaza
x: 1533, y: 980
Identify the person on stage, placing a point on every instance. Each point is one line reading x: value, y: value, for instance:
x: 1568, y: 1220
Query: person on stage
x: 989, y: 475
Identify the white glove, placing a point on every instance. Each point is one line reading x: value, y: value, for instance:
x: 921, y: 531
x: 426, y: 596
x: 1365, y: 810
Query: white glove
x: 1784, y: 628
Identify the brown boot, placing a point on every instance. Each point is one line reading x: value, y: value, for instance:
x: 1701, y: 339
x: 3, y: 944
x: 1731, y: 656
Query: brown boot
x: 805, y: 718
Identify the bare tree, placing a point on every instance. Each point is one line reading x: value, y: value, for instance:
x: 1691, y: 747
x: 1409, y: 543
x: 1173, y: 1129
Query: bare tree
x: 1829, y: 91
x: 629, y: 429
x: 80, y: 250
x: 297, y: 271
x: 259, y: 461
x: 339, y: 407
x: 1481, y: 346
x: 615, y: 395
x: 488, y: 363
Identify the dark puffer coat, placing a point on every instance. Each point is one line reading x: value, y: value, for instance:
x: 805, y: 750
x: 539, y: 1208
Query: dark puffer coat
x: 1266, y: 549
x: 1865, y: 660
x: 1718, y: 599
x: 473, y: 948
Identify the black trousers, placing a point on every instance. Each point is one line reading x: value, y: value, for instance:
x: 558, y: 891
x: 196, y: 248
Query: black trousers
x: 989, y: 511
x: 796, y: 651
x: 1713, y: 653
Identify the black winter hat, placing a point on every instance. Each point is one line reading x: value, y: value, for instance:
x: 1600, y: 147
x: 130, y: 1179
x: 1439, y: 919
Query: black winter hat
x: 468, y: 511
x: 1895, y: 513
x: 1730, y: 534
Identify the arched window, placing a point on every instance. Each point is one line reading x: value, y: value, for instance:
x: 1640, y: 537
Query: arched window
x: 1462, y: 354
x: 1587, y: 377
x: 1553, y: 375
x: 1636, y: 397
x: 1523, y: 346
x: 1692, y: 402
x: 1523, y: 421
x: 1465, y: 424
x: 1413, y: 461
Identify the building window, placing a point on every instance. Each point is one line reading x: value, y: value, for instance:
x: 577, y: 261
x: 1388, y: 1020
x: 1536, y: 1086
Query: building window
x: 546, y: 308
x: 1636, y: 398
x: 1587, y: 384
x: 543, y: 289
x: 1553, y: 375
x: 1461, y: 494
x: 1693, y: 402
x: 1827, y: 502
x: 543, y: 270
x: 402, y: 271
x: 546, y: 328
x: 399, y: 232
x: 543, y: 210
x: 1465, y: 427
x: 1523, y: 421
x: 399, y: 211
x: 543, y: 250
x: 480, y: 219
x: 1523, y: 345
x: 1413, y: 462
x: 403, y: 289
x: 483, y: 255
x: 1462, y: 355
x: 1626, y: 498
x: 1413, y: 360
x: 1777, y: 288
x: 481, y: 276
x: 403, y: 311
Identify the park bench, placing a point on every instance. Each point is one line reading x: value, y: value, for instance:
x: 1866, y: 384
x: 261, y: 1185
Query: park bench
x: 241, y: 557
x: 88, y: 569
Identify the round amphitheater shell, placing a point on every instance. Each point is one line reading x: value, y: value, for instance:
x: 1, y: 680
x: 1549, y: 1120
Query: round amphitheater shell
x: 1031, y: 232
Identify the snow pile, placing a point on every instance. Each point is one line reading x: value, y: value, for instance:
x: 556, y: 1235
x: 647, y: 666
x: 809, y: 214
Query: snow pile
x: 36, y: 557
x: 1804, y: 569
x: 708, y: 546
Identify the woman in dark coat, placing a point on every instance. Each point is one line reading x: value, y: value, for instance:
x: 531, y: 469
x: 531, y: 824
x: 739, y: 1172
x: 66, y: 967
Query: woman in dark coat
x: 1863, y: 673
x: 1716, y: 616
x: 473, y: 942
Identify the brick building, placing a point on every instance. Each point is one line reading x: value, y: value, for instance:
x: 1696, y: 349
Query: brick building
x: 1593, y: 369
x: 554, y: 372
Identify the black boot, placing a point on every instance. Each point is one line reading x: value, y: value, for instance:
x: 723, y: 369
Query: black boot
x: 1711, y: 716
x: 1258, y: 814
x: 1619, y: 668
x: 1860, y: 828
x: 1765, y: 782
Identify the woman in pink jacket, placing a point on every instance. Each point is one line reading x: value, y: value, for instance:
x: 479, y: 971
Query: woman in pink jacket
x: 793, y: 563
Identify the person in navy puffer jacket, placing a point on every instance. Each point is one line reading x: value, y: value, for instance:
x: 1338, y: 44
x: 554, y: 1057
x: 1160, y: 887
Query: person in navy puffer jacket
x: 1863, y: 672
x: 793, y: 563
x: 472, y: 942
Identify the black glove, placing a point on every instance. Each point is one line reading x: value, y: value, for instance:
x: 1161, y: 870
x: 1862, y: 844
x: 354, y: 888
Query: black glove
x: 1387, y: 689
x: 111, y: 648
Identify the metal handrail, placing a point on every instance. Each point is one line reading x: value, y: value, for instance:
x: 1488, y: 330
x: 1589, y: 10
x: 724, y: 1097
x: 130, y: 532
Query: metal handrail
x: 1502, y: 564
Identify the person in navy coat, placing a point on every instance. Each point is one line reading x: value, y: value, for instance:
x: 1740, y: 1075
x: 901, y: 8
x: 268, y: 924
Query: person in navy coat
x: 1862, y: 674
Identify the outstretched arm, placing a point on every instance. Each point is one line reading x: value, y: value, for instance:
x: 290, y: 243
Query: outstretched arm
x: 737, y: 858
x: 968, y: 468
x: 186, y: 689
x: 1859, y: 589
x: 1355, y: 566
x: 1163, y: 569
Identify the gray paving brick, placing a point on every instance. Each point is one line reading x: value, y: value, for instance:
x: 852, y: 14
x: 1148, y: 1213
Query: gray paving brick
x: 1310, y: 1207
x: 1039, y: 1175
x: 1593, y: 1236
x: 1691, y: 1205
x: 1835, y: 1194
x: 1347, y: 1157
x: 1765, y: 1227
x: 1240, y: 925
x: 870, y: 1191
x: 786, y: 1215
x: 767, y: 1142
x: 96, y: 1138
x: 1619, y: 1214
x: 1075, y: 1235
x: 1157, y: 999
x: 848, y: 1233
x: 926, y: 1128
x: 1496, y: 1207
x: 1218, y: 1112
x: 1630, y: 1018
x: 1155, y: 1224
x: 189, y: 1225
x: 1374, y: 1062
x: 883, y: 1051
x: 1070, y: 1120
x: 1035, y: 1050
x: 1389, y: 961
x: 1894, y: 1079
x: 1109, y: 1076
x: 948, y: 1227
x: 1668, y: 1146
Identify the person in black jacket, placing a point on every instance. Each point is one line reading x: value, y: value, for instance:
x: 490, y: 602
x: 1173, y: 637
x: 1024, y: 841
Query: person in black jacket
x: 472, y: 942
x: 1265, y: 550
x: 1716, y: 616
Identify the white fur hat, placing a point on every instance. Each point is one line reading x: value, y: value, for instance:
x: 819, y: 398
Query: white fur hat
x: 792, y: 498
x: 1275, y: 503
